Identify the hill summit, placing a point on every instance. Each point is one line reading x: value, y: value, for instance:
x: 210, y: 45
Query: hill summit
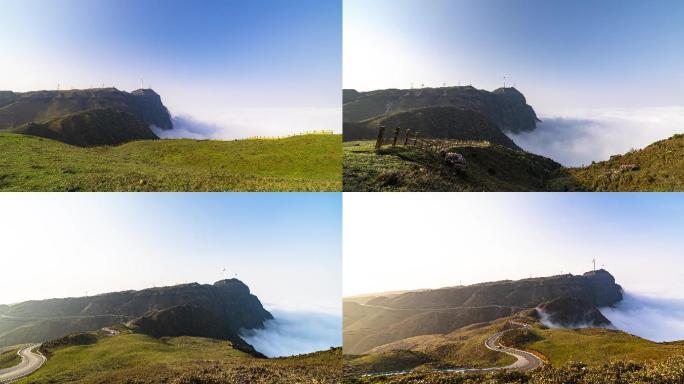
x: 219, y: 310
x: 21, y: 108
x: 505, y: 107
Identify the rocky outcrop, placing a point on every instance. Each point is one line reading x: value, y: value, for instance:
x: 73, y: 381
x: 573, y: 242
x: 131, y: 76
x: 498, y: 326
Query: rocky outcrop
x: 91, y: 128
x: 190, y: 320
x: 21, y: 108
x: 571, y: 312
x: 505, y: 107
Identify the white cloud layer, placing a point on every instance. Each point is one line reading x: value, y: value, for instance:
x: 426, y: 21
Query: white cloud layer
x: 579, y: 137
x: 656, y: 319
x: 232, y: 124
x: 292, y: 333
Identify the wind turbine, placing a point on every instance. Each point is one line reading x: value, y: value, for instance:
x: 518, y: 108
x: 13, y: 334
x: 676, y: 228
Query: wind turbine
x: 594, y: 262
x: 504, y: 80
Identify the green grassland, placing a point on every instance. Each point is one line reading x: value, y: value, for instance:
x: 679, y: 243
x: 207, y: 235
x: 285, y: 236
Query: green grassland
x: 564, y: 350
x: 137, y: 358
x: 463, y: 348
x: 658, y: 167
x: 300, y: 163
x: 596, y: 346
x: 490, y: 167
x: 9, y: 357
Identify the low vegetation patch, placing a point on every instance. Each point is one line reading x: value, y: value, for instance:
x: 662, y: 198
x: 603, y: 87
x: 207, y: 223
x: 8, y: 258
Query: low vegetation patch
x: 669, y: 371
x: 490, y: 167
x: 9, y: 358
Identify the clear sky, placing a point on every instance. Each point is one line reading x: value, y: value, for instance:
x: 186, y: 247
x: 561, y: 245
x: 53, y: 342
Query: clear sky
x: 285, y: 246
x: 561, y: 54
x: 432, y: 240
x: 230, y: 62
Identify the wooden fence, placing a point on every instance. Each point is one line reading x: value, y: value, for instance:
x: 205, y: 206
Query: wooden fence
x: 319, y: 132
x: 413, y: 139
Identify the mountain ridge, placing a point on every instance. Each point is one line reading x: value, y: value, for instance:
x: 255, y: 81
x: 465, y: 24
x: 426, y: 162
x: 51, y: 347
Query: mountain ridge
x: 17, y: 108
x: 506, y: 107
x: 229, y: 301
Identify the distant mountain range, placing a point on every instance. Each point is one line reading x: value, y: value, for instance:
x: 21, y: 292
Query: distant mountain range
x: 370, y: 323
x: 217, y: 311
x: 88, y: 117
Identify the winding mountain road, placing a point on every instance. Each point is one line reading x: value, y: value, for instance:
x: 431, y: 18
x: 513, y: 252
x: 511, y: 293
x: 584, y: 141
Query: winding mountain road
x: 31, y: 361
x: 526, y: 361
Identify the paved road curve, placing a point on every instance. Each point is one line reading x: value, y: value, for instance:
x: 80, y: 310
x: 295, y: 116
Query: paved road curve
x: 30, y: 362
x: 526, y: 361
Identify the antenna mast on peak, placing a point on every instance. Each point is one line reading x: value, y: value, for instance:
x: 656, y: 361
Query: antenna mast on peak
x: 142, y: 83
x: 594, y: 262
x: 504, y: 80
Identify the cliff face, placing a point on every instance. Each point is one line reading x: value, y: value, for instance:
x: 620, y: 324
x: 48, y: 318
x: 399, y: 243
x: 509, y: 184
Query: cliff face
x: 228, y: 300
x: 191, y: 320
x: 505, y: 107
x: 571, y: 312
x: 21, y: 108
x: 94, y: 127
x: 597, y: 288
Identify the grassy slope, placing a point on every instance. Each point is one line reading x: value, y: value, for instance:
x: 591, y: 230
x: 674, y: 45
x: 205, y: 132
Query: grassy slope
x: 490, y: 168
x: 9, y: 357
x: 136, y: 358
x: 596, y: 346
x: 461, y: 348
x: 661, y: 168
x: 302, y: 163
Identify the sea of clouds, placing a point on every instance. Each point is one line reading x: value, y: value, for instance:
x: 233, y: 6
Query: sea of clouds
x: 296, y: 332
x: 653, y: 318
x: 579, y: 137
x: 249, y: 122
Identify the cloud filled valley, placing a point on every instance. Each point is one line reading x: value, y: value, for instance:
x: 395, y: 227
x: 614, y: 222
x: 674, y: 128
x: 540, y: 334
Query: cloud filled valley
x: 580, y: 137
x: 656, y: 319
x: 233, y: 124
x: 296, y: 332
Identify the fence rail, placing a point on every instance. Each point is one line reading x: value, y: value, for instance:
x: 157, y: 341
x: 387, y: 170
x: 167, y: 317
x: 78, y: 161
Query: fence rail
x: 413, y: 139
x: 319, y: 132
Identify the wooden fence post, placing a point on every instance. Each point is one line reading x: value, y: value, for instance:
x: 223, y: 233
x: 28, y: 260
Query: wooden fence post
x: 396, y: 136
x: 406, y: 139
x: 381, y: 137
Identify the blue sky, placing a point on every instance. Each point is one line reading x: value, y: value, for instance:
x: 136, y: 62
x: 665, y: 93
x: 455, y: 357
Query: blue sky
x: 211, y: 60
x: 285, y: 246
x: 472, y: 238
x: 561, y: 54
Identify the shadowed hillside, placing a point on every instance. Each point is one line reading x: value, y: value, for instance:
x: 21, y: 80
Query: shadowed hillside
x: 90, y: 128
x: 21, y: 108
x: 228, y: 304
x: 505, y: 107
x: 382, y: 320
x: 434, y: 122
